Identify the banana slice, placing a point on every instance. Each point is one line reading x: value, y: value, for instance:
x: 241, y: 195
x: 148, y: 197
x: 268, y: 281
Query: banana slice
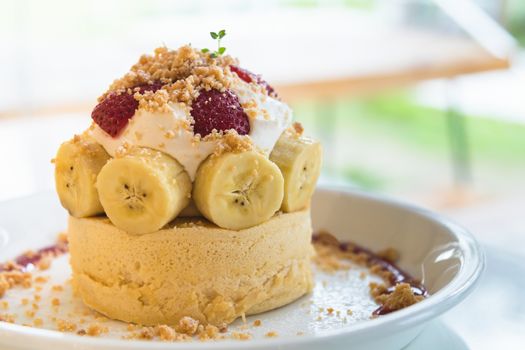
x: 299, y: 159
x: 238, y: 190
x: 143, y: 190
x: 77, y: 165
x: 190, y: 211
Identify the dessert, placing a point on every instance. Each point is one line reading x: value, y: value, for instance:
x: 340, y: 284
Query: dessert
x: 189, y: 194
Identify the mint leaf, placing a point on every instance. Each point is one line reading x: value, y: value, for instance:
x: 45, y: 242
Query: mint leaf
x: 220, y: 49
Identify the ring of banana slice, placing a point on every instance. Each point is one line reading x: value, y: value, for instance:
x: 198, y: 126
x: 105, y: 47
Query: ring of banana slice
x: 143, y: 190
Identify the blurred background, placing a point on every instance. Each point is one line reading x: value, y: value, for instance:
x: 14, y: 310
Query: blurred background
x: 421, y: 100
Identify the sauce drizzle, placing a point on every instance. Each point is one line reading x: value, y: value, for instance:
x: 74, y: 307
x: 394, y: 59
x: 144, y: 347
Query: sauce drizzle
x: 397, y: 275
x: 27, y: 262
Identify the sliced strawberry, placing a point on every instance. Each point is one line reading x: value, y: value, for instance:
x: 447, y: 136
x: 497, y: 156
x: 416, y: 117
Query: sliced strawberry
x: 115, y: 111
x: 217, y: 110
x: 249, y: 77
x: 244, y: 74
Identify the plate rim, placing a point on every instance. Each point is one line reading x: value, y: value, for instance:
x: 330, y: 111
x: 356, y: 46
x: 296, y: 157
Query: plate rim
x: 447, y: 297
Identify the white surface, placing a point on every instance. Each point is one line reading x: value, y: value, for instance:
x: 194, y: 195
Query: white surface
x: 424, y: 240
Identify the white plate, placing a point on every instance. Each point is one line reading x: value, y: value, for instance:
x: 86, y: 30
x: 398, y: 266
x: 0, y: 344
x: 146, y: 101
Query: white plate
x: 444, y: 256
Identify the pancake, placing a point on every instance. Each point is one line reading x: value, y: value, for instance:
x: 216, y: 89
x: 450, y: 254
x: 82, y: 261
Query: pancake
x: 191, y: 268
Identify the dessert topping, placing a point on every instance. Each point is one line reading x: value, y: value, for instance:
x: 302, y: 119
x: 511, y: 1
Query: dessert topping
x: 114, y: 112
x: 219, y: 111
x: 197, y: 92
x: 400, y: 289
x: 250, y: 77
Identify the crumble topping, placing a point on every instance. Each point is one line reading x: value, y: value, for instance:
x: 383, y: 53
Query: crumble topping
x: 241, y: 336
x: 9, y: 318
x: 57, y: 288
x: 187, y: 329
x: 329, y: 260
x: 209, y: 332
x: 402, y: 296
x: 250, y: 108
x: 230, y: 141
x: 188, y: 326
x: 183, y: 73
x: 44, y: 263
x: 87, y: 146
x: 166, y: 333
x: 41, y: 279
x: 123, y: 150
x: 96, y: 329
x: 62, y: 238
x: 398, y: 291
x: 298, y: 128
x: 65, y: 326
x: 10, y: 279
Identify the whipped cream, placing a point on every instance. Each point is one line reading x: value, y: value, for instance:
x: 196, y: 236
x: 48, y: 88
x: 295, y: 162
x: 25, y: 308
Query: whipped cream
x: 165, y: 131
x: 271, y: 119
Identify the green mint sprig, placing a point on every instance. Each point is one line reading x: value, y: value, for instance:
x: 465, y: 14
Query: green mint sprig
x: 220, y: 49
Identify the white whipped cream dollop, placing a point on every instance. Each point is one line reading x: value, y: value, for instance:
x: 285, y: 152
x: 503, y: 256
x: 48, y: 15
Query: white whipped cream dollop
x: 165, y: 131
x: 272, y: 118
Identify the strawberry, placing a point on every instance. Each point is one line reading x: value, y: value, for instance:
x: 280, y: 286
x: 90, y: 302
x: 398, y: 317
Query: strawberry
x: 113, y: 114
x: 249, y: 77
x: 217, y: 110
